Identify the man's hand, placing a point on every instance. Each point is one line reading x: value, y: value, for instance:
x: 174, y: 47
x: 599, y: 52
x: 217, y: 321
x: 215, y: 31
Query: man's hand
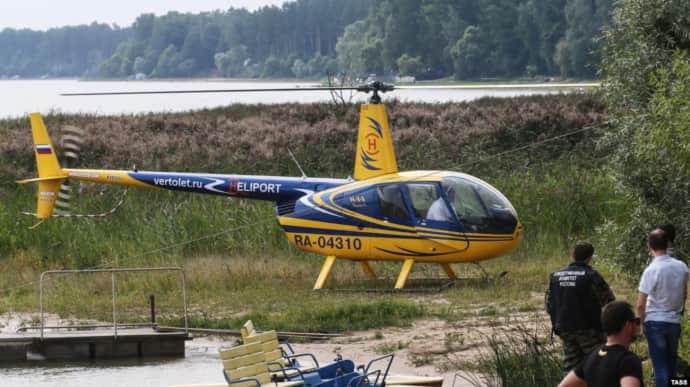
x: 572, y: 380
x: 641, y: 308
x: 630, y: 381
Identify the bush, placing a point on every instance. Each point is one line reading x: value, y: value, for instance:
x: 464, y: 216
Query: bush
x: 519, y: 359
x: 646, y: 61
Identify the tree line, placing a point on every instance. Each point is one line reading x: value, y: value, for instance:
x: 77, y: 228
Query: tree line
x: 466, y: 39
x: 58, y: 52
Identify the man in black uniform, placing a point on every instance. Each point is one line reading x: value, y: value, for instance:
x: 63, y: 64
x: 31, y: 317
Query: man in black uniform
x: 612, y: 364
x: 574, y: 300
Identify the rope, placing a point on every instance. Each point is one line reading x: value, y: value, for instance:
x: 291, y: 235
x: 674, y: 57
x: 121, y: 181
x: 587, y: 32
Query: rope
x: 101, y: 215
x: 540, y: 142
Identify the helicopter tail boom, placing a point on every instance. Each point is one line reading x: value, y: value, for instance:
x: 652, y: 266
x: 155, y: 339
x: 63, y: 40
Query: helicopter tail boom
x: 51, y: 176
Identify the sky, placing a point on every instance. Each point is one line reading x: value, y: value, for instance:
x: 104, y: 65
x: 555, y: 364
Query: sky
x: 44, y: 14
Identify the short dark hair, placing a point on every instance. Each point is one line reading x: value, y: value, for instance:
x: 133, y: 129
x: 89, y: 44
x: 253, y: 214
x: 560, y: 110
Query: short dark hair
x: 669, y: 230
x: 657, y: 240
x: 582, y: 251
x: 614, y: 316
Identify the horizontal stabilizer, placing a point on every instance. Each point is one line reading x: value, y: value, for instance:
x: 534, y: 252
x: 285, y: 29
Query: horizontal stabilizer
x: 39, y: 179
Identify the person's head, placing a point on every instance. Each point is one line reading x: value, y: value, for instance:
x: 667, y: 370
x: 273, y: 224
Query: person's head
x: 450, y: 192
x: 657, y: 241
x: 583, y: 252
x: 669, y: 231
x: 618, y: 319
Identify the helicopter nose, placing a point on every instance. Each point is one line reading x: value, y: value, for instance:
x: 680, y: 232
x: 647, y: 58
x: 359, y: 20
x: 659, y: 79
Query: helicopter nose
x: 502, y: 221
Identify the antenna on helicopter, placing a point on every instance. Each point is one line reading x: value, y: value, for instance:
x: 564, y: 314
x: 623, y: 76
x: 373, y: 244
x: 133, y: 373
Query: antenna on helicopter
x: 304, y: 175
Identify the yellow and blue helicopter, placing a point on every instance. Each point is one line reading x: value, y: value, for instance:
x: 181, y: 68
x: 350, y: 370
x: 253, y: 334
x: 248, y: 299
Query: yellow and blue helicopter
x: 379, y: 213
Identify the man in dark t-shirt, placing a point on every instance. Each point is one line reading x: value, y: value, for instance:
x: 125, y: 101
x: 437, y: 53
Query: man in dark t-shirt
x: 612, y: 364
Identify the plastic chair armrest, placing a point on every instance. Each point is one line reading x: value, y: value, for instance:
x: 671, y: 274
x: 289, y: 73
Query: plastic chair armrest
x: 240, y: 380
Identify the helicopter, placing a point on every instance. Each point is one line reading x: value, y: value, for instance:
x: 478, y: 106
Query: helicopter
x: 377, y: 214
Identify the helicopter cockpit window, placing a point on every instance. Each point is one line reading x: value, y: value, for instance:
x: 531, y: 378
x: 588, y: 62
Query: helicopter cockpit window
x: 391, y: 202
x: 478, y: 207
x: 427, y: 203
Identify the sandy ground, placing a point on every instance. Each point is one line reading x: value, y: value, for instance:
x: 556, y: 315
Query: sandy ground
x: 10, y: 322
x: 427, y: 348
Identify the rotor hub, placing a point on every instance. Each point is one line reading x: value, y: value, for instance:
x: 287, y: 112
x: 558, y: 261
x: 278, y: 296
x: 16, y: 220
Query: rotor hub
x: 375, y: 87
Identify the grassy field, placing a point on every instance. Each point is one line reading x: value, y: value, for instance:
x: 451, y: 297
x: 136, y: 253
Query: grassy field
x: 238, y: 263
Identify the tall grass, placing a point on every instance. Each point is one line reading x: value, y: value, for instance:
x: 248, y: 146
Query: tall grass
x: 517, y: 359
x: 332, y: 317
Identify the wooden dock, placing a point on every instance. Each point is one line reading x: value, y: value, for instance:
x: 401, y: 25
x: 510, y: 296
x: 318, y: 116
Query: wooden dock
x: 92, y: 345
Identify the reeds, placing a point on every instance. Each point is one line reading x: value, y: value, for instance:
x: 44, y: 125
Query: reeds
x: 518, y: 358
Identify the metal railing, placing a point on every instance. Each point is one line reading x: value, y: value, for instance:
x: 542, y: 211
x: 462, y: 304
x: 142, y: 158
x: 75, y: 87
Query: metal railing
x: 114, y: 292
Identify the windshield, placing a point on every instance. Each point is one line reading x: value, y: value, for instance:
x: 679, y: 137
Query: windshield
x: 478, y: 206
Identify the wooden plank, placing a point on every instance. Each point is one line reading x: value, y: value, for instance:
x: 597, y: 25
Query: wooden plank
x: 249, y: 371
x: 270, y: 346
x: 413, y: 380
x: 244, y: 361
x: 235, y: 332
x: 262, y: 337
x: 240, y: 350
x: 248, y: 329
x: 273, y: 356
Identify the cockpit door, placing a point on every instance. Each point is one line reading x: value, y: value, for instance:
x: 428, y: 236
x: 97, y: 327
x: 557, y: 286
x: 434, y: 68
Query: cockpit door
x: 392, y: 204
x: 434, y: 217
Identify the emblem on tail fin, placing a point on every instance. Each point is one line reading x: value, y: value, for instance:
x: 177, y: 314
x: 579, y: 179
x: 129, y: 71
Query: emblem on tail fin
x: 371, y: 143
x: 43, y: 149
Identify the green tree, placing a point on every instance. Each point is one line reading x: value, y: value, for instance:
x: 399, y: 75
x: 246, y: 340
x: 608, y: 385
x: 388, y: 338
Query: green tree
x: 402, y: 31
x: 575, y: 54
x: 408, y: 65
x: 167, y: 63
x: 646, y: 64
x: 272, y: 67
x: 350, y: 46
x: 111, y: 68
x: 468, y: 54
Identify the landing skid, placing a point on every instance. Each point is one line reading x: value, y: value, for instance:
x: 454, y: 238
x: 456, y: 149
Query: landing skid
x: 485, y: 273
x: 401, y: 281
x: 413, y: 286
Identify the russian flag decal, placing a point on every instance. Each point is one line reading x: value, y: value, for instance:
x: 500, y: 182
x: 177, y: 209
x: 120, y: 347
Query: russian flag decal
x: 43, y: 149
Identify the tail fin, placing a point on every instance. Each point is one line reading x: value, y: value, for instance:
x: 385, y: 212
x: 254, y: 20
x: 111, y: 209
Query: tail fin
x: 50, y: 175
x: 375, y: 154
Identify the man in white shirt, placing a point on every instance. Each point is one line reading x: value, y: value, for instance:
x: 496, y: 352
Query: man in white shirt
x: 439, y: 209
x: 662, y: 293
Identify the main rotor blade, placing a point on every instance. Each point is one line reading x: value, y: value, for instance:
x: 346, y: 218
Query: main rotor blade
x: 210, y: 91
x: 480, y: 86
x: 364, y: 88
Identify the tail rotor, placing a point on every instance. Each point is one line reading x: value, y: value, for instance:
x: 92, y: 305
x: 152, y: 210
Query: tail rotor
x: 72, y: 140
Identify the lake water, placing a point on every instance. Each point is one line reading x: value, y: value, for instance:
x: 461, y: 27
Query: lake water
x: 201, y: 365
x: 20, y: 97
